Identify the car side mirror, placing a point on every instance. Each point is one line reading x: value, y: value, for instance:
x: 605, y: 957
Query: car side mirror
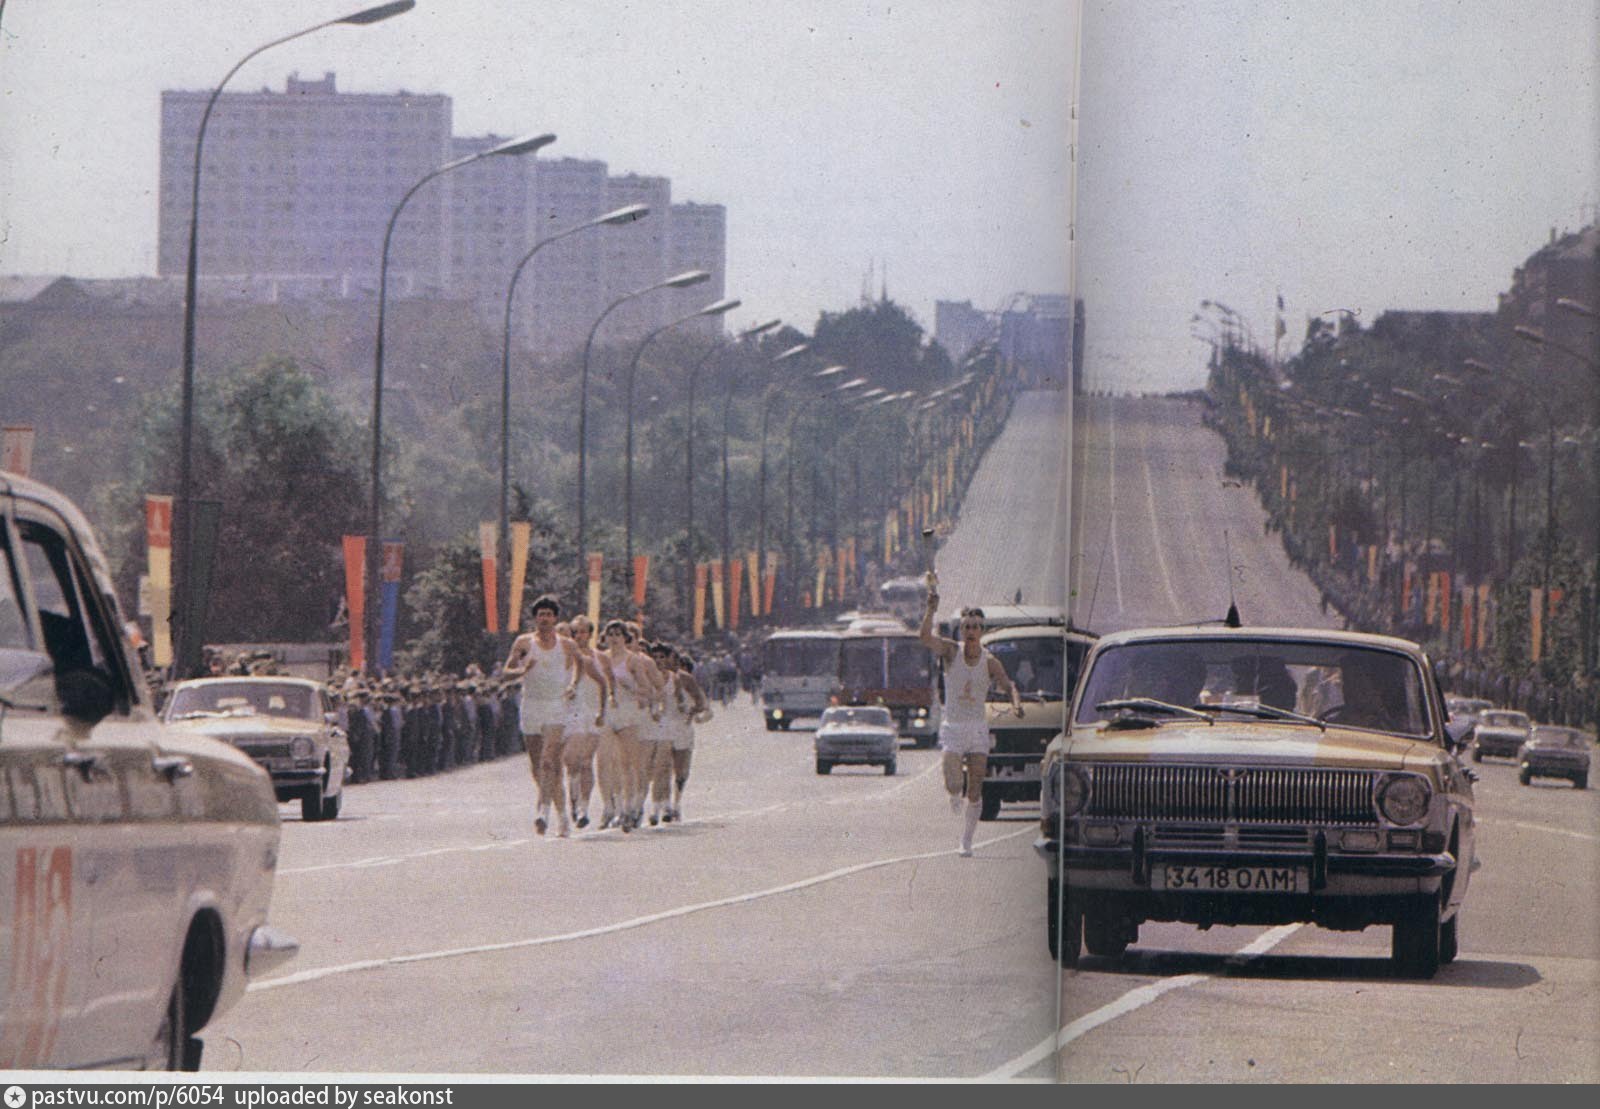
x: 1455, y: 733
x: 86, y: 696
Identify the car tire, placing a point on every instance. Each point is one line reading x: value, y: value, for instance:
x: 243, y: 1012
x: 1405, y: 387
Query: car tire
x: 923, y: 742
x: 824, y: 766
x: 989, y: 806
x: 1449, y: 939
x: 1104, y: 935
x: 311, y: 803
x: 331, y: 806
x: 1525, y: 778
x: 772, y: 725
x: 1477, y: 755
x: 1063, y: 925
x: 1581, y: 781
x: 1416, y: 942
x: 889, y: 769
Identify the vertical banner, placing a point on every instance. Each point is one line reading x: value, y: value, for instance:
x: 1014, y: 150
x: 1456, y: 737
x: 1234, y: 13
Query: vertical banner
x: 771, y: 582
x: 596, y: 560
x: 1430, y: 598
x: 753, y: 565
x: 1483, y: 617
x: 355, y: 597
x: 716, y: 594
x: 389, y: 590
x: 1372, y: 564
x: 735, y: 588
x: 641, y: 580
x: 1468, y: 595
x: 701, y: 570
x: 521, y: 537
x: 158, y: 537
x: 820, y: 594
x: 16, y: 449
x: 1405, y: 589
x: 488, y: 545
x: 1444, y: 603
x: 841, y: 556
x: 1333, y: 541
x: 1536, y: 623
x: 888, y: 539
x: 1283, y: 482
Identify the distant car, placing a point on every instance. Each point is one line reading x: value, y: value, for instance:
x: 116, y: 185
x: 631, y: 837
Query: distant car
x: 1465, y: 712
x: 137, y: 861
x: 283, y: 723
x: 1500, y: 733
x: 857, y: 734
x: 1256, y: 776
x: 1553, y: 752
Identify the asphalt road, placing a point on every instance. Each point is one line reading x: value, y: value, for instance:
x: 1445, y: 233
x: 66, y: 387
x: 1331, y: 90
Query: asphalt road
x: 794, y: 924
x: 1300, y: 1004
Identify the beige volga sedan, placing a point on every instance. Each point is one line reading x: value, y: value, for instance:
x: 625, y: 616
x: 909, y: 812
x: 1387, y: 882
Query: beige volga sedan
x: 136, y: 862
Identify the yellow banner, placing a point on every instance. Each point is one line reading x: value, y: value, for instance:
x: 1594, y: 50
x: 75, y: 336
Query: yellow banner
x: 521, y: 536
x: 700, y: 572
x: 1536, y: 625
x: 822, y: 579
x: 158, y: 534
x: 716, y: 594
x: 752, y: 561
x: 596, y: 560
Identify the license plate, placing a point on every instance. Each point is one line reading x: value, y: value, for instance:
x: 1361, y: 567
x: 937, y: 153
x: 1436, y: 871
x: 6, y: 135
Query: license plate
x: 1023, y: 772
x: 1233, y: 879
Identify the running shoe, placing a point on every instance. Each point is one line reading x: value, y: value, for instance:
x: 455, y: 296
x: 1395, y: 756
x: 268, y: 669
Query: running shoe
x: 539, y: 824
x: 583, y: 819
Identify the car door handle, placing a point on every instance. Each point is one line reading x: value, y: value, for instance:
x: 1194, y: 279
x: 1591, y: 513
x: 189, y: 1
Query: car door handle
x: 84, y: 762
x: 172, y: 767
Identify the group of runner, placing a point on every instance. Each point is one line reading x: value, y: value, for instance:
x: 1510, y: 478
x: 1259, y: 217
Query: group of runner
x: 617, y: 715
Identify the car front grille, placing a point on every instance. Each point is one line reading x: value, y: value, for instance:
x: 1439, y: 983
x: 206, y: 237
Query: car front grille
x: 264, y: 749
x: 1232, y: 794
x: 1022, y: 741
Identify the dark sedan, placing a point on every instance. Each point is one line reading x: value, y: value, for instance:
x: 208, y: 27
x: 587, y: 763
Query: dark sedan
x: 1553, y: 752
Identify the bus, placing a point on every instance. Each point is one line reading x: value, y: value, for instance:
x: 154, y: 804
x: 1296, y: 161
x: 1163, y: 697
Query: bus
x: 799, y: 675
x: 882, y: 662
x: 905, y: 597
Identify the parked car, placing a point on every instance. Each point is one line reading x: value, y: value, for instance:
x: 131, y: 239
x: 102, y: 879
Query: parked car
x: 1256, y: 776
x: 857, y: 734
x: 137, y: 860
x: 1555, y: 752
x: 1465, y: 712
x: 1500, y: 733
x: 283, y: 723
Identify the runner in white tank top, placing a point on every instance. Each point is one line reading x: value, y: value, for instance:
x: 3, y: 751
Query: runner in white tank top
x: 969, y: 672
x: 548, y: 665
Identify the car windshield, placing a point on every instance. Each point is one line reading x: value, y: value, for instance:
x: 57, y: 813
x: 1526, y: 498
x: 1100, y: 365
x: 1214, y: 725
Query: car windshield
x: 1340, y: 683
x: 1558, y: 737
x: 1504, y: 720
x: 799, y: 658
x: 869, y: 716
x: 1035, y: 664
x: 242, y: 699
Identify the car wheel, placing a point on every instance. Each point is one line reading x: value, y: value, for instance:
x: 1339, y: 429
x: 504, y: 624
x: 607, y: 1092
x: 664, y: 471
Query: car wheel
x: 1104, y: 934
x: 785, y: 724
x: 331, y: 806
x: 1416, y: 945
x: 772, y: 725
x: 1525, y: 778
x: 311, y: 803
x: 1477, y: 755
x: 889, y: 769
x: 1449, y: 939
x: 1581, y: 781
x: 923, y: 742
x: 824, y: 766
x: 990, y: 805
x: 1063, y: 925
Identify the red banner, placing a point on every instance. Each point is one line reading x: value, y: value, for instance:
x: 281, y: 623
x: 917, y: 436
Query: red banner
x: 641, y: 579
x: 355, y: 597
x: 489, y: 545
x: 735, y: 583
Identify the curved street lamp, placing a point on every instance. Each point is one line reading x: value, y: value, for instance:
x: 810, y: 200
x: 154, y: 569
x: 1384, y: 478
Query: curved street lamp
x: 716, y: 308
x: 688, y: 455
x: 676, y: 281
x: 186, y: 658
x: 511, y: 147
x: 621, y: 216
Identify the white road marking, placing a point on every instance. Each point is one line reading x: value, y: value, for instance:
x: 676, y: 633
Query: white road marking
x: 1547, y: 828
x: 1155, y: 530
x: 319, y: 973
x: 1111, y: 500
x: 1127, y: 1003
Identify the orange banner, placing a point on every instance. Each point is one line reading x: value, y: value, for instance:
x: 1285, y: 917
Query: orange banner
x: 753, y: 568
x: 735, y: 587
x: 158, y: 535
x: 355, y: 597
x: 489, y: 547
x: 1536, y: 626
x: 701, y: 571
x: 641, y: 579
x: 521, y: 536
x: 1444, y: 601
x: 16, y: 449
x: 771, y: 582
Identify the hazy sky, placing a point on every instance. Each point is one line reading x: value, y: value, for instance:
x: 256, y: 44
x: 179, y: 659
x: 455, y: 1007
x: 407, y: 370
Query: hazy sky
x: 926, y: 137
x: 1370, y: 155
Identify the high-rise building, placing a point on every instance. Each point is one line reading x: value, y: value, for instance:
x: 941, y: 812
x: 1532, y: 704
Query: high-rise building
x: 697, y: 240
x: 564, y: 291
x: 489, y: 215
x: 301, y: 184
x: 637, y: 258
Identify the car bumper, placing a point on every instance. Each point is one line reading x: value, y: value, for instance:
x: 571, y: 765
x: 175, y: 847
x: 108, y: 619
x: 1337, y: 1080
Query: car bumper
x: 1554, y: 769
x: 290, y: 784
x: 881, y: 753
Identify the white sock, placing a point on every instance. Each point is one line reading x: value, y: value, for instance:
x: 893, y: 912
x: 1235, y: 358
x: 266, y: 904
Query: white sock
x: 955, y: 802
x: 970, y: 825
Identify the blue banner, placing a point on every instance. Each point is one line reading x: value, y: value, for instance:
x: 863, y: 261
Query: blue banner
x: 389, y: 578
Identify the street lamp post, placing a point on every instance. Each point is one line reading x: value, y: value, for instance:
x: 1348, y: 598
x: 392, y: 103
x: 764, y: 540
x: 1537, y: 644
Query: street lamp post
x: 688, y: 455
x: 511, y: 147
x: 716, y: 308
x: 761, y: 479
x: 620, y: 216
x: 187, y: 661
x: 677, y: 281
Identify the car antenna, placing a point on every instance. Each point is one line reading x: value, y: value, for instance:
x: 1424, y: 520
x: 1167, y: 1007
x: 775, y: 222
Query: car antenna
x: 1094, y: 594
x: 1232, y: 619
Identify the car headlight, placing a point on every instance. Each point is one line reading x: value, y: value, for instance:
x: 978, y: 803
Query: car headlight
x: 1075, y: 792
x: 300, y: 747
x: 1403, y: 798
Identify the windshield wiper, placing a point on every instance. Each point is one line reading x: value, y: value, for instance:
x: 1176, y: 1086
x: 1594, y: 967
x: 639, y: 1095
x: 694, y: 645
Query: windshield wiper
x: 1268, y: 712
x: 195, y: 714
x: 1150, y: 704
